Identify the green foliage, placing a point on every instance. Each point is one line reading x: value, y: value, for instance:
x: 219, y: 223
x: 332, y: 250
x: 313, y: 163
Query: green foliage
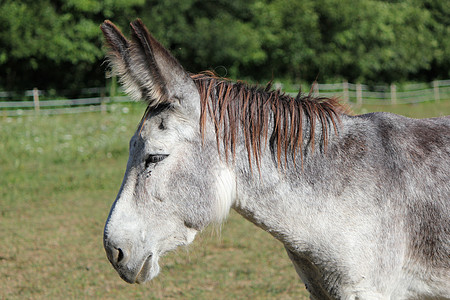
x: 440, y: 14
x: 292, y: 34
x: 207, y: 34
x: 54, y: 43
x: 374, y: 40
x: 57, y: 43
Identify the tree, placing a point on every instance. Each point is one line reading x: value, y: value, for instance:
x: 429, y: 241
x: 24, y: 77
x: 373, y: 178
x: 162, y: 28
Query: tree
x: 440, y: 26
x: 207, y: 34
x: 373, y: 41
x: 55, y: 44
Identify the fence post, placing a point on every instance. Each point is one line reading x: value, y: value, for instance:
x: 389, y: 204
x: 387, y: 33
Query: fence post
x: 316, y: 88
x: 436, y: 91
x: 359, y: 94
x: 36, y: 100
x: 393, y: 94
x: 102, y: 101
x: 278, y: 85
x: 113, y: 88
x: 345, y: 88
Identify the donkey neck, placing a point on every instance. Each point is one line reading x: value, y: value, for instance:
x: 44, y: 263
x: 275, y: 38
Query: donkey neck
x: 273, y: 140
x: 300, y: 206
x: 304, y: 202
x: 281, y: 194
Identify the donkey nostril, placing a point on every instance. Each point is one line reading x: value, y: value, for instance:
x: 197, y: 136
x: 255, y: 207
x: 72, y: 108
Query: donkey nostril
x: 119, y: 255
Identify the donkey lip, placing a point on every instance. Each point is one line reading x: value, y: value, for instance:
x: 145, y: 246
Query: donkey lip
x: 142, y: 275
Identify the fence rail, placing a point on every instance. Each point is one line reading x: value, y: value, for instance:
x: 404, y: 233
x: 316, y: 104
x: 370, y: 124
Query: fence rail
x: 62, y: 106
x: 359, y: 94
x: 352, y: 93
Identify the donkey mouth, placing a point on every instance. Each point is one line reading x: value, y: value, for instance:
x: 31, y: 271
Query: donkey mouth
x: 149, y: 269
x: 142, y: 275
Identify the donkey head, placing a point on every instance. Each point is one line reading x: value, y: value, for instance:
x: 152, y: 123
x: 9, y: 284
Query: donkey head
x: 175, y: 183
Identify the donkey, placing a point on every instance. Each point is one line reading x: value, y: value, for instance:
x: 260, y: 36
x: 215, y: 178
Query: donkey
x: 361, y: 203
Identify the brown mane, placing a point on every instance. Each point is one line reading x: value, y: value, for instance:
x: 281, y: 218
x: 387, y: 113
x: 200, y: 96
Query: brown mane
x: 239, y: 105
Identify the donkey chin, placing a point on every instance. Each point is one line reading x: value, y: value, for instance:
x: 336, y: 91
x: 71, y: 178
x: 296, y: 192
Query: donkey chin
x: 147, y: 270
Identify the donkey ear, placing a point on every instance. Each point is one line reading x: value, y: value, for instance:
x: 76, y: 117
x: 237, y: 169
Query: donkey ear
x: 147, y: 70
x: 167, y: 79
x: 120, y: 60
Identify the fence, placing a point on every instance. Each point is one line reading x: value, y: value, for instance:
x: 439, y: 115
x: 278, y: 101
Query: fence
x: 359, y: 94
x: 356, y: 94
x: 35, y: 105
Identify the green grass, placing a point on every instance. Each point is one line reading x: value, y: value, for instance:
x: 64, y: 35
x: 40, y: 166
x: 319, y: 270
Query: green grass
x: 58, y: 178
x: 418, y: 110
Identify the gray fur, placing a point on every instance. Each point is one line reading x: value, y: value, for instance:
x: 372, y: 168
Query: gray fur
x: 366, y: 218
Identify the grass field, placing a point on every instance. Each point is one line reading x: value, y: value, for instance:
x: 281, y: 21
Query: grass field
x: 58, y: 178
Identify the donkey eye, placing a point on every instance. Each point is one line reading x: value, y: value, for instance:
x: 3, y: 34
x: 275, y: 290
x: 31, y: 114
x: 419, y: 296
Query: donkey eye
x: 154, y: 158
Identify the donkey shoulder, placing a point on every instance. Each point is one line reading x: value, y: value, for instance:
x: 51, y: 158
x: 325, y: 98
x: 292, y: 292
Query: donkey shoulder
x: 412, y: 163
